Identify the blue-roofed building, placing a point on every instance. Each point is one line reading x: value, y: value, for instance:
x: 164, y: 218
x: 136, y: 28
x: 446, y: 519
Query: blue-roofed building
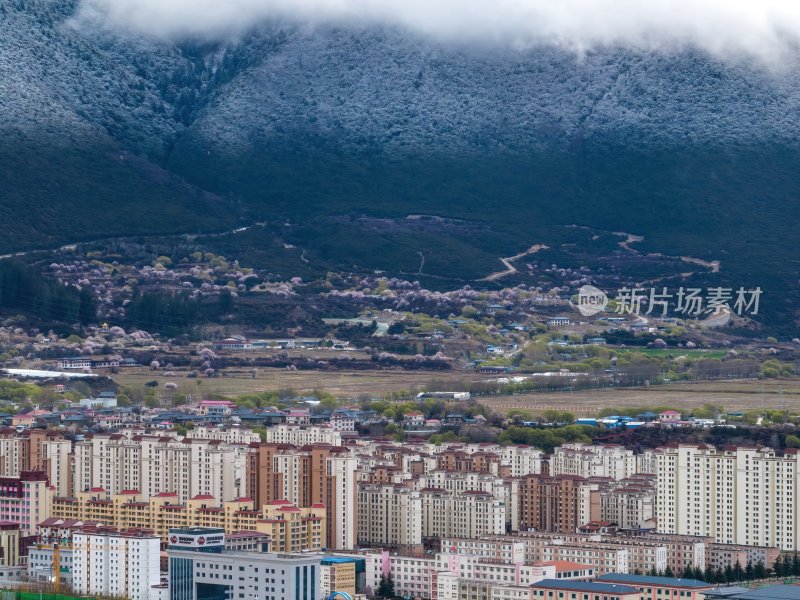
x: 658, y: 588
x: 273, y: 417
x: 771, y: 592
x: 342, y: 574
x: 582, y: 590
x: 76, y: 420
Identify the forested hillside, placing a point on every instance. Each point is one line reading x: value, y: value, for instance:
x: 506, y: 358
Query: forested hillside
x: 106, y: 133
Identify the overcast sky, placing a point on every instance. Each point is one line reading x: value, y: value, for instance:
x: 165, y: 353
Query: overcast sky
x: 764, y: 28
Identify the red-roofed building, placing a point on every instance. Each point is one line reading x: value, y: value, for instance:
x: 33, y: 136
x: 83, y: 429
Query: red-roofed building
x: 298, y: 417
x: 220, y: 408
x: 413, y: 419
x: 291, y: 528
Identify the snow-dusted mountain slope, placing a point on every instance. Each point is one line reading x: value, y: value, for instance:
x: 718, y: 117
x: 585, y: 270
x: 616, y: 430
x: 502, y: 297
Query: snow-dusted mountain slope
x: 104, y: 132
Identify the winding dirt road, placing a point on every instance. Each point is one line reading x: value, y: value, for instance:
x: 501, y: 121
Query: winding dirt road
x: 510, y: 268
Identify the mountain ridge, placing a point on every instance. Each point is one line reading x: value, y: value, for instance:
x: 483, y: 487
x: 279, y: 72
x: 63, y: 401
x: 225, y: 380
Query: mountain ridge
x: 106, y: 132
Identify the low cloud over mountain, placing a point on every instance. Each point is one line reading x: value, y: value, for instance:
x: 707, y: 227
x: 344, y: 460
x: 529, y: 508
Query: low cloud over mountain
x: 764, y: 29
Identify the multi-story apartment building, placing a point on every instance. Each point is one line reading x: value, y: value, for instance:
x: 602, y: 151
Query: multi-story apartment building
x: 122, y: 564
x: 153, y: 464
x: 301, y: 435
x: 499, y: 549
x: 57, y: 464
x: 314, y: 474
x: 737, y: 495
x: 24, y: 451
x: 521, y: 459
x: 397, y: 516
x: 9, y: 544
x: 467, y: 514
x: 25, y: 500
x: 290, y: 528
x: 459, y: 481
x: 598, y: 460
x: 389, y: 515
x: 229, y: 435
x: 721, y: 556
x: 10, y: 452
x: 420, y: 458
x: 603, y: 558
x: 340, y: 494
x: 561, y: 503
x: 504, y: 489
x: 462, y: 574
x: 603, y: 553
x: 472, y: 462
x: 343, y: 422
x: 681, y: 550
x: 628, y: 503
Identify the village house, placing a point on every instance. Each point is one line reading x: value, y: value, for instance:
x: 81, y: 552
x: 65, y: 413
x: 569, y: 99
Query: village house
x: 558, y: 321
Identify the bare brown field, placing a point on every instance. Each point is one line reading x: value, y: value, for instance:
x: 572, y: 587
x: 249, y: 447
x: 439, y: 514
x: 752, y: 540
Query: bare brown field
x: 735, y: 395
x: 239, y: 381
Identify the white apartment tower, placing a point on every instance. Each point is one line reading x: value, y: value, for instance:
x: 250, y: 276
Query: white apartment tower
x: 302, y: 435
x: 120, y: 565
x: 153, y: 464
x: 391, y: 515
x: 343, y: 471
x: 736, y: 495
x: 587, y: 460
x: 57, y: 458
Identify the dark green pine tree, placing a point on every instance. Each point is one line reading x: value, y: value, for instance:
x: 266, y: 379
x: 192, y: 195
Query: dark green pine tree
x: 385, y: 587
x: 87, y: 309
x: 668, y: 572
x: 796, y: 565
x: 737, y: 571
x: 759, y: 571
x: 749, y: 571
x: 777, y: 567
x: 729, y: 573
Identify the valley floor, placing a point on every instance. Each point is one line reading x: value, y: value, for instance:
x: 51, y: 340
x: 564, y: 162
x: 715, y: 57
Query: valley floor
x: 735, y: 395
